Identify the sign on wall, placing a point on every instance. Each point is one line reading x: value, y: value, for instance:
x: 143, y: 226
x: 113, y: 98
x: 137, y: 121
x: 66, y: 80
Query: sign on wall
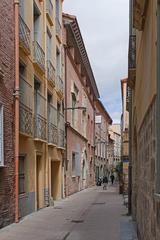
x: 98, y: 119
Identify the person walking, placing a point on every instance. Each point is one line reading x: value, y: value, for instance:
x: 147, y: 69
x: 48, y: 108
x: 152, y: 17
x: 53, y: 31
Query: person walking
x: 105, y: 182
x: 112, y: 178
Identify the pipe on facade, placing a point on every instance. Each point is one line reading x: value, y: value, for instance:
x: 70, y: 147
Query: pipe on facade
x: 66, y: 153
x: 16, y: 94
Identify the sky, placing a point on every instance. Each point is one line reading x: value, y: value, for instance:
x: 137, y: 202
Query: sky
x: 104, y: 25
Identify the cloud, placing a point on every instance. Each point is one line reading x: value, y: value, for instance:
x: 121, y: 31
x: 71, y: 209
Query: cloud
x: 104, y: 27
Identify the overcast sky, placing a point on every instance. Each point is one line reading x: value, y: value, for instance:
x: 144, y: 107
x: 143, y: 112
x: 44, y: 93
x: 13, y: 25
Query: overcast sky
x: 104, y: 28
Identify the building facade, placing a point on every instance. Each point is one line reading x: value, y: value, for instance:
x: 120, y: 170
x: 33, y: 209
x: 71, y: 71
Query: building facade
x: 102, y: 121
x: 125, y: 133
x: 144, y: 80
x: 115, y: 134
x: 7, y: 116
x: 41, y: 75
x: 81, y: 93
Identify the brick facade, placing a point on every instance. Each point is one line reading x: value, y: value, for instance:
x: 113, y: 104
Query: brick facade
x: 7, y: 176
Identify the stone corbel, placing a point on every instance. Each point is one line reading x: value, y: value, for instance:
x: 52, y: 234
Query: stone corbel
x: 139, y: 12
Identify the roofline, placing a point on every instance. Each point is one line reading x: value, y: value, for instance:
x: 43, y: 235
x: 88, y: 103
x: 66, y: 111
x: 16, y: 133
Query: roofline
x: 74, y: 27
x: 105, y: 111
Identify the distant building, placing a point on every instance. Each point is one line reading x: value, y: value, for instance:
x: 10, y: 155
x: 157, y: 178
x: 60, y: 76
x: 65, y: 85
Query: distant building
x: 115, y: 135
x: 102, y: 123
x: 110, y: 153
x: 125, y: 133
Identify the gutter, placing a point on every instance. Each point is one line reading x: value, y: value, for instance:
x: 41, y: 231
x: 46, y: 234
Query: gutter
x: 16, y: 94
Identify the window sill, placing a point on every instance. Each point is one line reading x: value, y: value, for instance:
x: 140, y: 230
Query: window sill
x: 23, y: 195
x: 157, y: 196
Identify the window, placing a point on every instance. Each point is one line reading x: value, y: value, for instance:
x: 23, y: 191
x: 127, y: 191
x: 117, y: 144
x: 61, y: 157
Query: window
x: 58, y: 62
x: 73, y: 108
x: 22, y: 175
x: 73, y: 164
x: 1, y: 137
x: 57, y: 9
x: 49, y: 45
x: 37, y: 24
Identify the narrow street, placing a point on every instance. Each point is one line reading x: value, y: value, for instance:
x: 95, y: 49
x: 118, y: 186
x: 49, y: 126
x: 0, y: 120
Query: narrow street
x: 88, y: 215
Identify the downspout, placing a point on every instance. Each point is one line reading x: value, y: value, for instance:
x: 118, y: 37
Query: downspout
x: 66, y: 146
x: 16, y: 94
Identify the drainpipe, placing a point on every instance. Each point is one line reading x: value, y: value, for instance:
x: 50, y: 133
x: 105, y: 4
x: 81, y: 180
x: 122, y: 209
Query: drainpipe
x: 66, y: 145
x: 16, y: 94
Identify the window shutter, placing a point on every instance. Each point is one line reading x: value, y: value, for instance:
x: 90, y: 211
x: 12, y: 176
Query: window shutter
x: 1, y: 137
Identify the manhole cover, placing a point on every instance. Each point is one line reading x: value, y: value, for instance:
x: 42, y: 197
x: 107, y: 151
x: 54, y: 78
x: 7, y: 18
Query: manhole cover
x: 57, y: 207
x: 77, y: 221
x: 99, y: 203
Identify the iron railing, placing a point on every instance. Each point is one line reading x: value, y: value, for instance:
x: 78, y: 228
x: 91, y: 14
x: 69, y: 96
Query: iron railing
x: 50, y: 72
x: 61, y: 131
x: 58, y: 27
x: 132, y: 52
x: 49, y: 8
x: 40, y: 116
x: 59, y: 84
x: 26, y: 113
x: 52, y: 125
x: 39, y: 55
x: 24, y: 35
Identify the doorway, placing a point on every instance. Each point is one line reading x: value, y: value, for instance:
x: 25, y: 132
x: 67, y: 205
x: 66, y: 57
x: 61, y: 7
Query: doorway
x: 39, y: 183
x: 55, y: 180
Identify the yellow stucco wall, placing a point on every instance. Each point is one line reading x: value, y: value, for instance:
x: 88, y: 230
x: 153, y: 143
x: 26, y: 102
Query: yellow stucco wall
x: 145, y: 87
x: 28, y: 145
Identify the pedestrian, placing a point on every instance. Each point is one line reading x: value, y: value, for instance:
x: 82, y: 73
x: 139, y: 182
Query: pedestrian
x: 105, y: 182
x: 112, y: 178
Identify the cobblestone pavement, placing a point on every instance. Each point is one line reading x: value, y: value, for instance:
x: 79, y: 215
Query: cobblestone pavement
x: 93, y: 214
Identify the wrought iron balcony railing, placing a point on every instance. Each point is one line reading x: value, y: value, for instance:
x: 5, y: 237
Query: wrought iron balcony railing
x: 58, y: 28
x: 26, y: 112
x: 132, y: 52
x: 24, y: 36
x: 132, y: 61
x: 39, y: 55
x: 50, y: 72
x: 40, y: 116
x: 59, y: 84
x: 61, y: 131
x: 49, y: 11
x: 52, y: 134
x: 52, y: 125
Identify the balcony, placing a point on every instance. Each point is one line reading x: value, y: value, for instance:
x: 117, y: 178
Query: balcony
x: 39, y: 56
x: 132, y: 61
x: 40, y: 127
x: 49, y: 11
x: 26, y: 114
x: 128, y: 98
x: 58, y: 29
x: 61, y: 131
x: 59, y: 85
x: 52, y: 125
x: 24, y: 36
x: 50, y: 73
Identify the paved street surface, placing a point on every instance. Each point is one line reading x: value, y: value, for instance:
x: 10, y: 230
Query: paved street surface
x: 93, y: 214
